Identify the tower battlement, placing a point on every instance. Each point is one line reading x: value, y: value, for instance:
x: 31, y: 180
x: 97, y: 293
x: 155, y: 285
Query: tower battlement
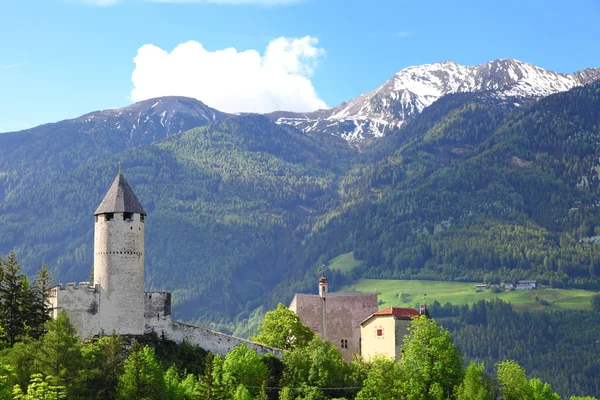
x: 78, y: 286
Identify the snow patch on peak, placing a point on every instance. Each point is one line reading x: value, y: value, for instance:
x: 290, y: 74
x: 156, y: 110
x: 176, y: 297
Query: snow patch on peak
x: 414, y: 88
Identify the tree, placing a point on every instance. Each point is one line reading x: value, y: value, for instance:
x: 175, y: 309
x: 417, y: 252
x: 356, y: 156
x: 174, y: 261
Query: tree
x: 318, y: 365
x: 142, y: 378
x: 41, y: 389
x: 210, y: 384
x: 430, y: 362
x: 595, y: 300
x: 103, y: 362
x: 542, y: 391
x: 382, y: 380
x: 173, y: 388
x: 58, y: 352
x: 19, y: 358
x: 5, y: 380
x: 12, y: 288
x: 282, y: 329
x: 475, y: 385
x: 513, y: 381
x: 23, y: 311
x: 241, y: 393
x: 243, y: 366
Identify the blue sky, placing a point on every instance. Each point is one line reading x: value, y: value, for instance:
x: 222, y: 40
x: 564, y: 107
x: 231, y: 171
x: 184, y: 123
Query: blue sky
x: 62, y: 58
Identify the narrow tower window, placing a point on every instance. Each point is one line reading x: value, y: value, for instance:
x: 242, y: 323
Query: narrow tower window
x: 109, y: 216
x: 127, y: 216
x: 142, y: 217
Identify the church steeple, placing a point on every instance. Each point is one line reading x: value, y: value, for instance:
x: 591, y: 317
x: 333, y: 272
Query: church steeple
x: 120, y: 199
x: 323, y: 285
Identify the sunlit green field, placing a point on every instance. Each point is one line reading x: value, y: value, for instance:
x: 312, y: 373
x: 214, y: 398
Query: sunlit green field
x: 402, y: 293
x: 344, y: 262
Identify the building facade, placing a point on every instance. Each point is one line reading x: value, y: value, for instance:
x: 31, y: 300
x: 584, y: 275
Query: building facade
x: 382, y: 333
x: 116, y: 300
x: 335, y: 316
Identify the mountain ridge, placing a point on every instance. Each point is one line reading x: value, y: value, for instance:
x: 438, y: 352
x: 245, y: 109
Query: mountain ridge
x: 373, y: 114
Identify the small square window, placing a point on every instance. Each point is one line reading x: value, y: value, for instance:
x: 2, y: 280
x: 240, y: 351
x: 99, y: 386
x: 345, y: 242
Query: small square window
x: 379, y: 332
x: 109, y: 216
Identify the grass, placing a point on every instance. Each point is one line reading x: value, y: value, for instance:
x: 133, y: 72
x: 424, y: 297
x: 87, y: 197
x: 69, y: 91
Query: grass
x: 405, y: 293
x: 344, y: 262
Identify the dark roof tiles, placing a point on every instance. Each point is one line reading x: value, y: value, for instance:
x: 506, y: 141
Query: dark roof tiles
x: 120, y: 198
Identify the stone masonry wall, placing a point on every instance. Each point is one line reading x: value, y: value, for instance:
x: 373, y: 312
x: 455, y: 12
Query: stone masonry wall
x: 158, y: 319
x: 344, y: 313
x: 119, y: 269
x: 81, y: 302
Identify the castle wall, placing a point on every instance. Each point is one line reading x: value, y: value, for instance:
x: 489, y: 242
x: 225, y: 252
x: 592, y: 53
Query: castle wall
x: 81, y: 302
x: 119, y: 270
x: 158, y: 319
x: 344, y: 313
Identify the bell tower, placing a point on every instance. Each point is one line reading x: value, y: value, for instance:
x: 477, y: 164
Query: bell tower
x: 119, y: 259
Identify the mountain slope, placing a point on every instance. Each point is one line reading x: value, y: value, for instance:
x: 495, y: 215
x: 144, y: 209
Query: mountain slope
x: 221, y: 201
x: 478, y: 191
x: 412, y: 89
x: 36, y: 155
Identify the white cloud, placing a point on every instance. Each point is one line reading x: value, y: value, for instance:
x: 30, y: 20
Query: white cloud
x: 231, y: 80
x: 231, y: 2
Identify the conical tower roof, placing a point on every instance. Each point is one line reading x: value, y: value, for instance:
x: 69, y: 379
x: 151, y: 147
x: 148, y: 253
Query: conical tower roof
x: 120, y: 199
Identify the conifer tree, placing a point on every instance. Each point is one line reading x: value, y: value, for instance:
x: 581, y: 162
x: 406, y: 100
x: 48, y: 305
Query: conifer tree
x: 12, y: 290
x: 41, y: 389
x: 59, y: 351
x: 142, y: 378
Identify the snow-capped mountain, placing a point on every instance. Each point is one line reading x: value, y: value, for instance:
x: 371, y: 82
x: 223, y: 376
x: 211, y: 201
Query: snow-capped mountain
x: 151, y: 120
x: 412, y: 89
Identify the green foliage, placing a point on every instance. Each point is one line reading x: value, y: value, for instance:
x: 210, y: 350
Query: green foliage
x: 435, y: 364
x: 282, y: 329
x: 23, y: 311
x: 241, y: 393
x: 513, y: 381
x: 5, y: 380
x: 317, y: 365
x: 243, y: 366
x: 41, y: 389
x: 381, y: 382
x: 58, y: 353
x: 142, y: 378
x: 595, y: 300
x: 476, y: 385
x: 558, y: 347
x: 103, y: 364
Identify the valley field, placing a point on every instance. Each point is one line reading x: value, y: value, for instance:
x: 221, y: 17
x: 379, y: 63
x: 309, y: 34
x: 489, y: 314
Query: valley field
x: 408, y: 293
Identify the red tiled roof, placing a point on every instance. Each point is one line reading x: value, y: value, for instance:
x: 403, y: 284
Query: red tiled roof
x: 399, y: 312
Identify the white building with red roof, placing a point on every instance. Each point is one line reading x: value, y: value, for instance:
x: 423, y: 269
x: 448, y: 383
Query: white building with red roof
x: 383, y: 332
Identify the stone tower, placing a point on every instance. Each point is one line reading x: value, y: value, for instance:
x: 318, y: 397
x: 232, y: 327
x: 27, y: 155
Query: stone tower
x: 119, y: 260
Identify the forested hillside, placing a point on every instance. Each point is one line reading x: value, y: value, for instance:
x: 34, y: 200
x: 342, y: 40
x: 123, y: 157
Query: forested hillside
x: 560, y: 347
x: 222, y: 201
x: 474, y: 188
x: 242, y: 212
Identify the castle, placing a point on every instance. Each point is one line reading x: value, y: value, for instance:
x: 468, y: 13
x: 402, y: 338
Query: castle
x: 116, y: 300
x: 352, y: 322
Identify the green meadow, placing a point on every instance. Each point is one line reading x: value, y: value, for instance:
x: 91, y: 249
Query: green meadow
x: 408, y: 293
x: 344, y: 262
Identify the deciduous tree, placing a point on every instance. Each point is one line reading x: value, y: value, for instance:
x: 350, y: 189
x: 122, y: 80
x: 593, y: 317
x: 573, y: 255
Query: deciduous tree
x: 282, y: 329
